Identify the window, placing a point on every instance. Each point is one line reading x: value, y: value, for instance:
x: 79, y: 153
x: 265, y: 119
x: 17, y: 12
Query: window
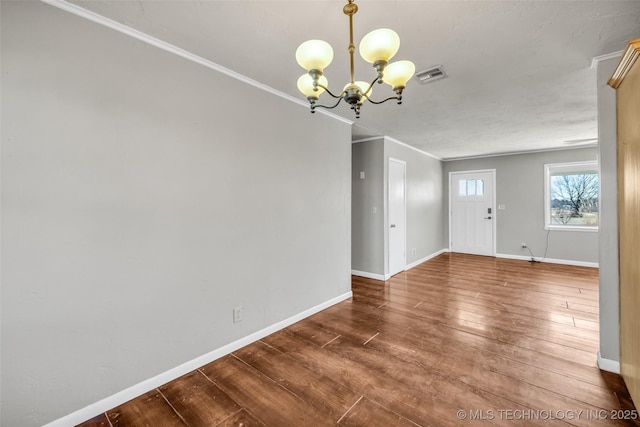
x: 471, y: 187
x: 571, y: 196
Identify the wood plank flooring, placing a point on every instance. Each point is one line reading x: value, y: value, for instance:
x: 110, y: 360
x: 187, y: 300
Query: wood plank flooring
x: 458, y: 340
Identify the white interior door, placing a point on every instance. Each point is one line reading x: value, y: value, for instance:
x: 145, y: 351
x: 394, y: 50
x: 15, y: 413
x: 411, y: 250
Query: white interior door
x: 397, y: 216
x: 472, y: 217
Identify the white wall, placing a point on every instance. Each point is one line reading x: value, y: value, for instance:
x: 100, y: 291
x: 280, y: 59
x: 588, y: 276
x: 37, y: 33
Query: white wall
x: 143, y: 197
x: 608, y: 236
x: 520, y: 187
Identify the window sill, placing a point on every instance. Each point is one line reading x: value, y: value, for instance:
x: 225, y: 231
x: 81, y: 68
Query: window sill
x: 572, y: 228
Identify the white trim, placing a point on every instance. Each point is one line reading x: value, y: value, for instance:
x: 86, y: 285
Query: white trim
x: 596, y: 59
x: 549, y: 168
x: 517, y: 153
x: 395, y: 141
x: 371, y: 138
x: 368, y: 275
x: 550, y: 260
x: 581, y: 228
x: 449, y: 215
x: 494, y: 215
x: 390, y: 139
x: 136, y: 390
x: 494, y: 211
x: 425, y: 259
x: 608, y: 364
x: 167, y: 47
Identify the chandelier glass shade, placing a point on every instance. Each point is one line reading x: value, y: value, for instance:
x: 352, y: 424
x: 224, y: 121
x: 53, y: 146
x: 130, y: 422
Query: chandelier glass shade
x: 377, y: 48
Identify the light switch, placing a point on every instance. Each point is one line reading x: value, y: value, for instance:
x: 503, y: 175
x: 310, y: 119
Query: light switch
x: 361, y: 174
x: 501, y: 207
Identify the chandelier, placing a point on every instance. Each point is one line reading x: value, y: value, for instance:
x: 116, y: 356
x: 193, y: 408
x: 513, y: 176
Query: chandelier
x: 377, y: 48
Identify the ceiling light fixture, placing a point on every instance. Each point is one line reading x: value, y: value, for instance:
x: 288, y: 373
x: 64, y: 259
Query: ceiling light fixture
x: 377, y: 48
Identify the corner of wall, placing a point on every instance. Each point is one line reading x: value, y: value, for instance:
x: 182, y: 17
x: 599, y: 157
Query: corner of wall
x: 608, y: 232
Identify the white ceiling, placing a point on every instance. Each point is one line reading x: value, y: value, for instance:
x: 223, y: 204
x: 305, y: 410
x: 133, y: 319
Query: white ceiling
x: 520, y: 72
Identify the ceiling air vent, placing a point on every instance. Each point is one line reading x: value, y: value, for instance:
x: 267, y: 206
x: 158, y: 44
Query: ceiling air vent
x: 431, y: 75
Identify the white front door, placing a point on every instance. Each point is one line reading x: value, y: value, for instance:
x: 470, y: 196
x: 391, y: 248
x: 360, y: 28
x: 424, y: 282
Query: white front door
x: 472, y: 217
x: 397, y: 216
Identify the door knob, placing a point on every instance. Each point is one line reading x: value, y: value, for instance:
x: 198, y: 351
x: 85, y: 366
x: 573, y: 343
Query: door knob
x: 488, y: 217
x: 393, y: 226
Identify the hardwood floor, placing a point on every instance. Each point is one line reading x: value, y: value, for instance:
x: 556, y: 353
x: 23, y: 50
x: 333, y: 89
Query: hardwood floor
x: 458, y: 340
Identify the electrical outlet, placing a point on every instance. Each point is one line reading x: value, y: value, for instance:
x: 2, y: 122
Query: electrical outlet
x: 237, y: 314
x: 414, y: 251
x: 523, y: 245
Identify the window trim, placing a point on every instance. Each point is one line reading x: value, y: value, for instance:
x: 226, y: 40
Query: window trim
x: 551, y: 168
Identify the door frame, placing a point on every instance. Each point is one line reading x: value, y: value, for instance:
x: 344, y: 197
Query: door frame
x: 493, y: 203
x: 386, y: 221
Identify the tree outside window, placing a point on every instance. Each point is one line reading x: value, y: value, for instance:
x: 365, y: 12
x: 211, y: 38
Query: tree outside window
x: 571, y: 196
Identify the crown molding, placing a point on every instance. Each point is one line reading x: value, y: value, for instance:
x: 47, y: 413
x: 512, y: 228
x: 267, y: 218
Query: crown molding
x: 395, y: 141
x: 371, y: 138
x: 597, y: 59
x: 629, y: 57
x: 516, y: 153
x: 168, y: 47
x: 390, y: 139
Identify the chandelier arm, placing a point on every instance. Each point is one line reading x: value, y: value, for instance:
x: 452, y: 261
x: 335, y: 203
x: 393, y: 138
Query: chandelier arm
x: 328, y: 107
x: 330, y: 93
x: 314, y: 55
x: 370, y: 86
x: 399, y: 98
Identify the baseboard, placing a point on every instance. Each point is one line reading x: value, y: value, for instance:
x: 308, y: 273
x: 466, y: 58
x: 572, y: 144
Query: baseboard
x: 550, y: 260
x: 136, y: 390
x: 368, y: 275
x: 385, y: 277
x: 608, y: 364
x: 427, y: 258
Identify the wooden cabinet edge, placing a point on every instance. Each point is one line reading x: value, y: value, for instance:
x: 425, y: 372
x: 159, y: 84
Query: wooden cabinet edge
x: 629, y: 57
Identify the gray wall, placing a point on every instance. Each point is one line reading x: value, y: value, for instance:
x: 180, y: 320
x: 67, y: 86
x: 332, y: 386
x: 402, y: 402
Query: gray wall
x: 143, y: 197
x: 367, y: 238
x: 424, y: 204
x: 520, y: 187
x: 608, y: 243
x: 424, y: 201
